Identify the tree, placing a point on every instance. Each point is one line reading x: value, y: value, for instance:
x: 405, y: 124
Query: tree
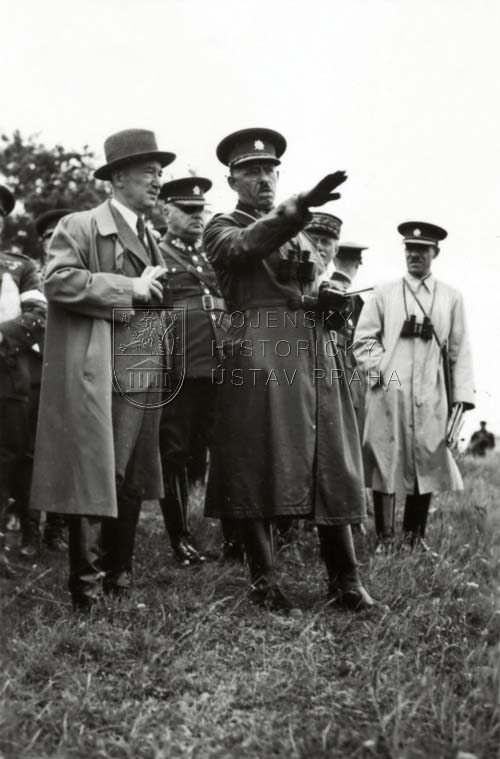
x: 43, y: 178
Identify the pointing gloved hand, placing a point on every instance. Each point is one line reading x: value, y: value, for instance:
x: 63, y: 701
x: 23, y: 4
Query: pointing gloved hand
x: 330, y: 298
x: 148, y: 287
x: 323, y: 192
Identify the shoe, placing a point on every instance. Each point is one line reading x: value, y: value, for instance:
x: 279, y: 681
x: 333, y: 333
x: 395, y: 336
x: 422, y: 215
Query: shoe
x: 7, y: 571
x: 270, y: 597
x: 349, y: 593
x: 186, y: 554
x: 384, y: 545
x: 55, y: 543
x: 119, y: 585
x: 29, y: 549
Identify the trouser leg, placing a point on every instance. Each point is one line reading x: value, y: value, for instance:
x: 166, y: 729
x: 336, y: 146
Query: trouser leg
x: 182, y: 421
x: 54, y: 531
x: 6, y: 569
x: 338, y: 552
x: 118, y: 543
x: 233, y: 547
x: 415, y: 516
x: 85, y: 573
x: 384, y: 508
x: 14, y: 450
x: 256, y: 536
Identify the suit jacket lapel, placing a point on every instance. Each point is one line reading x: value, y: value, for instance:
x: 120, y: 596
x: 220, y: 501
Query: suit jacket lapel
x: 128, y: 238
x: 156, y: 256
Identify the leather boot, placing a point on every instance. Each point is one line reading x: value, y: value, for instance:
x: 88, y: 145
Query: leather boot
x: 415, y: 520
x: 53, y: 534
x: 233, y: 549
x: 85, y: 575
x: 7, y: 571
x: 344, y: 584
x: 256, y: 536
x: 384, y: 507
x: 118, y: 545
x: 175, y: 510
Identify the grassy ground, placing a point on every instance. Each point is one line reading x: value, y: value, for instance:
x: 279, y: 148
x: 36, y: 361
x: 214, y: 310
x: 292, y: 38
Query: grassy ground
x: 187, y: 668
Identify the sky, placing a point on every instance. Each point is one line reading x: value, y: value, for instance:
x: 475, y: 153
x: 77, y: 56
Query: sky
x: 402, y: 94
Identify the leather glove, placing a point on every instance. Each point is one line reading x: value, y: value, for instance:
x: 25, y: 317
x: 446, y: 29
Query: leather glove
x: 323, y: 192
x: 329, y: 298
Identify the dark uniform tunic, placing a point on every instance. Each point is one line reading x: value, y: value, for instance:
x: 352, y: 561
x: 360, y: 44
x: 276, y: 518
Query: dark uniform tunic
x: 192, y: 285
x: 285, y: 438
x: 20, y: 334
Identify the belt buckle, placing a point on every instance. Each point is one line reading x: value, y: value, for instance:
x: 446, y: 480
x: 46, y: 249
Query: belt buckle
x: 207, y: 302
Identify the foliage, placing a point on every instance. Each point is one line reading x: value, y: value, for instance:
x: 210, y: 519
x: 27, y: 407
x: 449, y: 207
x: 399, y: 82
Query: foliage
x: 187, y: 668
x: 43, y: 178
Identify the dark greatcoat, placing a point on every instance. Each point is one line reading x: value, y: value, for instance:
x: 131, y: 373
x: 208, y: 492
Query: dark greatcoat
x: 74, y: 470
x: 286, y: 441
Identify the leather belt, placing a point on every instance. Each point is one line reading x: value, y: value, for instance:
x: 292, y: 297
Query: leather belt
x: 205, y: 302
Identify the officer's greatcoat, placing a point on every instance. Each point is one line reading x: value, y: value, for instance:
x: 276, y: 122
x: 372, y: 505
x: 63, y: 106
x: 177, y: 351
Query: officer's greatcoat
x: 406, y: 414
x: 285, y: 438
x: 74, y: 469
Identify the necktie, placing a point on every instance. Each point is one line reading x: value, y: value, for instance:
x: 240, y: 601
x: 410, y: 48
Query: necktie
x: 141, y: 230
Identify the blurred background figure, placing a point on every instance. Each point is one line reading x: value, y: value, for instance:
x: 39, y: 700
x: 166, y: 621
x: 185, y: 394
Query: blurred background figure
x: 481, y: 441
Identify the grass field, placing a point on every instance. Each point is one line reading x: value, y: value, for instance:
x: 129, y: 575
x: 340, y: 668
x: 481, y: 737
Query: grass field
x: 188, y: 668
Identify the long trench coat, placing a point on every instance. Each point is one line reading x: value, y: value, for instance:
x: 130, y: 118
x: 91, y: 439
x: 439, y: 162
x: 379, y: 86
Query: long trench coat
x: 404, y: 440
x: 285, y: 439
x: 74, y: 468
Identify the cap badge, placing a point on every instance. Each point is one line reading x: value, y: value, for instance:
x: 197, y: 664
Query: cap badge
x: 258, y: 145
x: 417, y: 232
x: 196, y: 190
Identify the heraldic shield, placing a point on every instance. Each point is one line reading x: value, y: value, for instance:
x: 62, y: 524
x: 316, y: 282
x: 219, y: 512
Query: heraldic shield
x: 149, y: 363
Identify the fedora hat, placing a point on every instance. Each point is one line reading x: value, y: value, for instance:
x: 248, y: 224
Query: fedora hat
x: 128, y: 146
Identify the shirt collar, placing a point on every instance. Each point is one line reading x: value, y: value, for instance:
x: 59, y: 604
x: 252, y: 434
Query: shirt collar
x: 428, y: 282
x: 129, y: 215
x: 181, y: 245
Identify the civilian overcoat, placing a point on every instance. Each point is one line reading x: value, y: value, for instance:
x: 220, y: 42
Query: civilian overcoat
x: 74, y: 469
x: 404, y: 439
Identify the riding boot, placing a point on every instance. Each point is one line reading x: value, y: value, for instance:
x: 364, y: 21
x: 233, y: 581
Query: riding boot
x: 338, y: 553
x: 7, y: 571
x: 85, y: 573
x: 53, y: 534
x: 415, y: 519
x: 256, y: 536
x: 384, y: 507
x: 233, y: 548
x: 118, y: 544
x: 175, y: 510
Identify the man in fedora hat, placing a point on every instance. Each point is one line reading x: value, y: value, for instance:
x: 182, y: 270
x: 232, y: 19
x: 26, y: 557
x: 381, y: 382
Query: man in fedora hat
x: 399, y: 343
x: 97, y: 452
x: 188, y: 418
x: 284, y: 442
x: 22, y: 318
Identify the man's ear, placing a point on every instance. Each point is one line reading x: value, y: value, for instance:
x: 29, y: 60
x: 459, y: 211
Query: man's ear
x: 436, y: 252
x: 231, y: 182
x: 117, y: 178
x: 166, y: 211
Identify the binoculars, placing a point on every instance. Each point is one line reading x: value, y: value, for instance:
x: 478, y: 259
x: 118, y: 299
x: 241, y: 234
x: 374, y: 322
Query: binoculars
x: 412, y: 328
x: 296, y: 267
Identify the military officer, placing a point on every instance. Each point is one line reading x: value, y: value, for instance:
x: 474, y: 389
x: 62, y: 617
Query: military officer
x: 400, y: 343
x: 187, y: 419
x: 481, y: 441
x: 324, y: 230
x: 285, y: 442
x: 100, y: 459
x: 22, y: 319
